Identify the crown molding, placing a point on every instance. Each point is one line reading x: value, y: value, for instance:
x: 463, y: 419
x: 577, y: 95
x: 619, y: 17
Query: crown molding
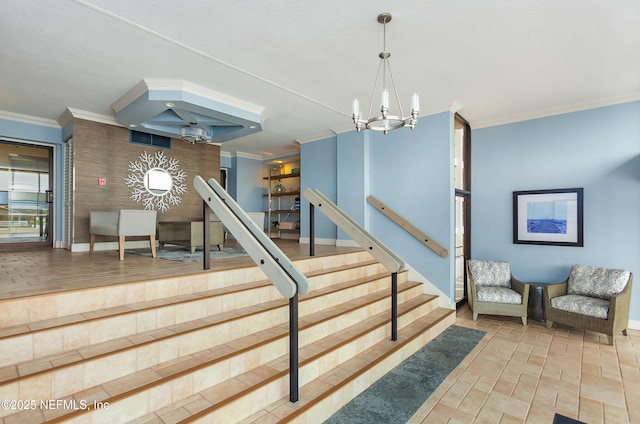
x: 321, y: 136
x: 246, y: 155
x: 91, y: 116
x: 149, y: 85
x: 28, y: 119
x: 555, y: 111
x: 127, y: 98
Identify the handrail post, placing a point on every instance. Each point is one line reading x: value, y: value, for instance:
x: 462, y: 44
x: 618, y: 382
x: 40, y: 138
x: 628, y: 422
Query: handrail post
x: 293, y: 348
x: 394, y: 306
x: 312, y: 225
x: 206, y: 231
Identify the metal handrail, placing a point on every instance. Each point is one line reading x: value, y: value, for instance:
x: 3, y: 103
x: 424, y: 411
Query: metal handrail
x: 366, y: 240
x: 383, y: 254
x: 278, y: 268
x: 264, y: 252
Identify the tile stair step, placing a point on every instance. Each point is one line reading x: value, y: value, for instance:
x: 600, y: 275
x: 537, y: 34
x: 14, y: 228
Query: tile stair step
x: 148, y: 304
x: 122, y: 321
x: 26, y: 310
x: 362, y: 371
x: 230, y: 402
x: 104, y: 353
x: 272, y: 376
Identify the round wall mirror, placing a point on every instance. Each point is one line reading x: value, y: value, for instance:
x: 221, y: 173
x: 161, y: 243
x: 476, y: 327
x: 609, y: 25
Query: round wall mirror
x: 157, y: 181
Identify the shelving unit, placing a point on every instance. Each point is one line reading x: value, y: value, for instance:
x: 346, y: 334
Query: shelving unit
x: 281, y: 205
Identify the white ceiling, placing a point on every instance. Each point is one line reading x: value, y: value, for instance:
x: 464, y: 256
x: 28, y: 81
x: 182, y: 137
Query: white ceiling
x: 305, y: 60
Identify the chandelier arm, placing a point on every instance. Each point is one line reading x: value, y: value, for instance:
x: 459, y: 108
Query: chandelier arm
x: 395, y: 90
x: 375, y: 85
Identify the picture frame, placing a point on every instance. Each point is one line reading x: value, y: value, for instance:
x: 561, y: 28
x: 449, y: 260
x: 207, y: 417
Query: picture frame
x: 548, y: 217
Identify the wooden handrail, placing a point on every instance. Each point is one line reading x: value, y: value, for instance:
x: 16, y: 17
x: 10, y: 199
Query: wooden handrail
x: 407, y: 226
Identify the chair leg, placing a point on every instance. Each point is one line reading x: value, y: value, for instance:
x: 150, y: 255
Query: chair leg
x: 152, y: 243
x: 475, y: 316
x: 92, y: 241
x: 524, y: 320
x: 624, y: 331
x: 121, y: 247
x: 612, y: 340
x: 549, y: 324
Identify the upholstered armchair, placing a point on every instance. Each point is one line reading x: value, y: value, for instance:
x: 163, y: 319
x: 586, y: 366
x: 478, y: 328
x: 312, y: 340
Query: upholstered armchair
x: 121, y: 224
x: 591, y: 298
x: 492, y: 290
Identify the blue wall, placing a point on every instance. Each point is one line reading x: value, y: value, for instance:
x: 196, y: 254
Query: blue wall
x: 597, y: 149
x: 244, y: 183
x: 410, y: 171
x: 353, y: 177
x: 318, y: 170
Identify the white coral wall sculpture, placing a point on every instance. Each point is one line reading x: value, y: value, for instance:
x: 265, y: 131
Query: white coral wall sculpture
x: 141, y: 193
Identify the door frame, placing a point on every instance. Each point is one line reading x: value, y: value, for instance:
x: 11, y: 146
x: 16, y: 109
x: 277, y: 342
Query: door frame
x: 50, y: 193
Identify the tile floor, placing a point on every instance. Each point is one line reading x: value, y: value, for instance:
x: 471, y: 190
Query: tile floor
x: 527, y: 374
x: 516, y: 374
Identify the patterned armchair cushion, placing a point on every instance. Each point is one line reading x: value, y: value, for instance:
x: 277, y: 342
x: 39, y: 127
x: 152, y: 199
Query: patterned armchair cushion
x: 490, y: 273
x: 498, y: 295
x: 583, y: 305
x: 596, y: 282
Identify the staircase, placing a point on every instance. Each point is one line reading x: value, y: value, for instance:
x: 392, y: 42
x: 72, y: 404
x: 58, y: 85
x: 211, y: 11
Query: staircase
x: 210, y: 347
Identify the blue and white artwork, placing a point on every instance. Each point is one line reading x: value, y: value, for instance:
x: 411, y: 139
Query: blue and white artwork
x: 547, y: 217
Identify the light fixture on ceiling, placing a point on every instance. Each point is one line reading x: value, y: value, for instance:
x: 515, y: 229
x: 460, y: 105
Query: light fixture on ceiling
x: 386, y: 122
x: 193, y: 135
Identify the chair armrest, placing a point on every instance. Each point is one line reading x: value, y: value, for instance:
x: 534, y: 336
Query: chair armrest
x: 471, y: 287
x: 137, y: 223
x: 471, y: 283
x: 553, y: 290
x: 619, y: 304
x: 522, y: 288
x: 103, y: 223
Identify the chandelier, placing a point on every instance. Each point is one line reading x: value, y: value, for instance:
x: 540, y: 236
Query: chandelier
x: 386, y: 122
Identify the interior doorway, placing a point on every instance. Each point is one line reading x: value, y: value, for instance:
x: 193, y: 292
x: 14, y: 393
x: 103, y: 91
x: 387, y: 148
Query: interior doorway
x: 462, y: 176
x: 26, y: 195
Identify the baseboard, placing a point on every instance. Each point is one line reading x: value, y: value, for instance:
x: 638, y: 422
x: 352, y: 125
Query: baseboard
x: 109, y: 245
x: 429, y: 288
x: 634, y: 324
x: 347, y: 243
x: 325, y: 241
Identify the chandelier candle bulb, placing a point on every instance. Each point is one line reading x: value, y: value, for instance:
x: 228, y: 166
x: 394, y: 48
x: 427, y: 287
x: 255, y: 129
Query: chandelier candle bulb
x: 385, y: 98
x: 415, y: 102
x: 356, y: 107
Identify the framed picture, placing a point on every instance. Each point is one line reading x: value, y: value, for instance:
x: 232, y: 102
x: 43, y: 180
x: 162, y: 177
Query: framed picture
x: 551, y: 217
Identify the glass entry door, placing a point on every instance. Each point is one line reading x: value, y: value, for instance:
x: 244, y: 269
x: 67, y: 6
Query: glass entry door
x: 25, y: 195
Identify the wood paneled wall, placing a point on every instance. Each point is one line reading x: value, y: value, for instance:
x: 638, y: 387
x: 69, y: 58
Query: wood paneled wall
x: 103, y: 150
